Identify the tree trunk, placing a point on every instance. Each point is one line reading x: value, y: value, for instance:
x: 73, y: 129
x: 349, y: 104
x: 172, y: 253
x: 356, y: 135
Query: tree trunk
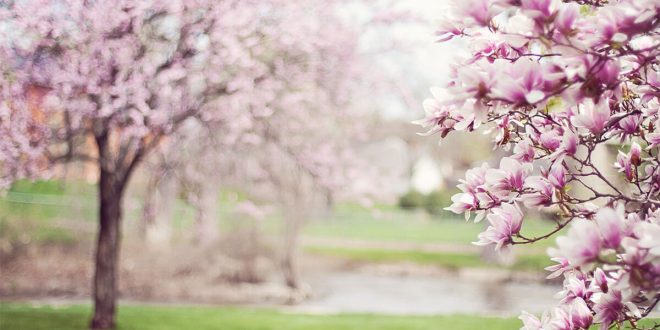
x: 289, y: 259
x: 107, y: 250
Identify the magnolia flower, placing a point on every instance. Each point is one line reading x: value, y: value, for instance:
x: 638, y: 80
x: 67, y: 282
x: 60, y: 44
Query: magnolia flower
x: 628, y: 126
x: 593, y: 116
x: 582, y: 243
x: 610, y: 226
x: 539, y: 9
x: 574, y: 287
x: 648, y: 233
x: 600, y: 280
x: 541, y: 192
x: 478, y: 12
x: 474, y: 179
x: 557, y: 80
x: 527, y: 82
x: 608, y: 308
x: 623, y: 164
x: 505, y: 222
x: 559, y: 268
x: 524, y: 151
x: 557, y: 175
x: 463, y: 203
x: 436, y: 114
x: 561, y: 320
x: 550, y: 140
x: 448, y: 30
x: 634, y: 255
x: 580, y: 314
x: 564, y: 22
x: 531, y: 322
x: 509, y: 177
x: 635, y: 154
x: 608, y: 72
x: 569, y: 143
x: 654, y: 140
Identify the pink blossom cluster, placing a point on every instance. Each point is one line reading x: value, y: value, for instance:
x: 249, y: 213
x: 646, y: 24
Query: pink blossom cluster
x: 556, y: 83
x: 259, y: 71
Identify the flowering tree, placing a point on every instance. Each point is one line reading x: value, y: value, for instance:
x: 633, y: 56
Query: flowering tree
x: 125, y: 75
x: 557, y: 81
x: 298, y: 141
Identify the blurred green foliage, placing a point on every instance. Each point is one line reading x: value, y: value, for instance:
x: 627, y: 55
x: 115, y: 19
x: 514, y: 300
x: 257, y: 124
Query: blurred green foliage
x: 434, y: 202
x: 413, y: 199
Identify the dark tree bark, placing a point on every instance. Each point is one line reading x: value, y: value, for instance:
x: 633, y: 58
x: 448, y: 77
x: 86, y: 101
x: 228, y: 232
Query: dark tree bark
x: 114, y: 175
x: 289, y: 259
x: 107, y: 251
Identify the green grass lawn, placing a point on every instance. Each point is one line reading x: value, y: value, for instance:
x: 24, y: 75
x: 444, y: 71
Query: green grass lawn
x: 418, y: 227
x: 34, y: 210
x: 25, y: 317
x: 527, y: 262
x: 45, y: 201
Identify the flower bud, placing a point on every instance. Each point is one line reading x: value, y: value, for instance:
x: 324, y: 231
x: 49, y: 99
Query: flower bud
x: 635, y: 154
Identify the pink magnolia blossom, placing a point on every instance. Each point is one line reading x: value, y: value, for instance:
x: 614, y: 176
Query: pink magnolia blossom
x: 479, y: 12
x: 600, y: 280
x: 654, y: 140
x: 463, y: 203
x: 574, y: 288
x: 505, y: 222
x: 580, y: 313
x: 539, y: 9
x: 635, y: 154
x: 540, y: 194
x: 647, y: 234
x: 609, y: 308
x: 509, y: 177
x: 560, y: 82
x: 565, y: 20
x: 623, y: 164
x: 448, y: 30
x: 531, y: 322
x: 557, y: 175
x: 593, y: 116
x: 528, y: 82
x: 628, y: 126
x: 582, y: 243
x: 524, y: 152
x: 569, y: 143
x: 550, y: 140
x: 559, y: 268
x: 474, y: 179
x: 610, y: 225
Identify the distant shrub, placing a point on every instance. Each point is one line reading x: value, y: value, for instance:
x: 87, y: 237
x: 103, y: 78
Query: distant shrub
x: 413, y: 199
x: 436, y: 201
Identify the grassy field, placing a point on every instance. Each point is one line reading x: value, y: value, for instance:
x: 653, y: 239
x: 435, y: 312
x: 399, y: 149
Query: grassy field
x: 25, y: 317
x: 389, y: 223
x: 44, y: 201
x: 37, y: 211
x: 527, y: 262
x: 131, y: 317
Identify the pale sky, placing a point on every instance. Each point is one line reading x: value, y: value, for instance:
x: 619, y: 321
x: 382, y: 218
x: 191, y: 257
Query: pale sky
x: 424, y: 64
